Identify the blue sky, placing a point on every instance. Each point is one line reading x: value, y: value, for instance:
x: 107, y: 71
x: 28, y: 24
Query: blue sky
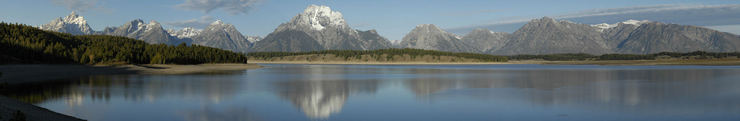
x: 392, y: 18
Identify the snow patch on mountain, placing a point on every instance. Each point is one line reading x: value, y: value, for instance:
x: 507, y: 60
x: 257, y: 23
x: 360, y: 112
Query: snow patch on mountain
x: 395, y: 42
x: 604, y: 26
x: 253, y: 39
x: 152, y: 24
x: 187, y: 32
x: 635, y: 22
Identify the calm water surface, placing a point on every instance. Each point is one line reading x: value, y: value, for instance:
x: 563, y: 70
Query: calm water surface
x: 421, y: 93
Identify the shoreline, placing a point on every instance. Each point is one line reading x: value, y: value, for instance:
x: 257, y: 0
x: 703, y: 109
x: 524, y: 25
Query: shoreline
x: 39, y: 73
x: 378, y: 63
x: 707, y: 62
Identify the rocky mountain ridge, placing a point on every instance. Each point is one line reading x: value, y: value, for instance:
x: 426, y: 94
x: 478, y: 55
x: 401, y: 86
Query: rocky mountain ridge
x: 218, y: 34
x: 431, y: 37
x: 319, y: 28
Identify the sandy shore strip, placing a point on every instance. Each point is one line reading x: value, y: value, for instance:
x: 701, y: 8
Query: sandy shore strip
x: 36, y: 73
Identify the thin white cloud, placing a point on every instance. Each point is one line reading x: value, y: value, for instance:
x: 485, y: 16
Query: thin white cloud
x: 734, y: 29
x: 643, y: 9
x: 234, y: 7
x: 198, y: 23
x: 78, y: 5
x: 470, y: 13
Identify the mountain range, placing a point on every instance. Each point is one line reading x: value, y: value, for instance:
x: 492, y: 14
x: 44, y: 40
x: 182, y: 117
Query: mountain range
x: 218, y: 34
x: 550, y: 36
x: 321, y: 28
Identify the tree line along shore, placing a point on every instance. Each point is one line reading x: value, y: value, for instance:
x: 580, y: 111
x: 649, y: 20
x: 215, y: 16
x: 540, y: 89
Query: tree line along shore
x: 418, y: 56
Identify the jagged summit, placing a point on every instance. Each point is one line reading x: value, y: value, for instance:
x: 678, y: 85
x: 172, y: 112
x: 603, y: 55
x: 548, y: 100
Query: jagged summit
x: 75, y: 19
x: 320, y: 17
x: 220, y: 25
x: 221, y: 35
x: 217, y: 22
x: 427, y: 27
x: 72, y: 23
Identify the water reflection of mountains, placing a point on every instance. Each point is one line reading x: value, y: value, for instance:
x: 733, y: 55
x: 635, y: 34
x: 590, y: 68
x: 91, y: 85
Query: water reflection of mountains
x: 618, y: 90
x: 320, y: 99
x: 598, y: 89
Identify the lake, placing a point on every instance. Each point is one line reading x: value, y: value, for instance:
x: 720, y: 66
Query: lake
x: 403, y: 93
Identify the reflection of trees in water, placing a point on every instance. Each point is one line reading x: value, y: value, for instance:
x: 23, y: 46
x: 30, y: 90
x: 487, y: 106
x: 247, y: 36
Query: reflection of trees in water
x: 229, y: 114
x: 320, y: 99
x: 132, y: 88
x: 594, y: 88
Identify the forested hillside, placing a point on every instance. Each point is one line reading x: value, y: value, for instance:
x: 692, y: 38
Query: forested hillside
x: 26, y: 44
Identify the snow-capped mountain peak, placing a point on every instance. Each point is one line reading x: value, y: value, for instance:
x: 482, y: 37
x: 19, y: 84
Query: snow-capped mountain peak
x: 75, y: 19
x: 72, y: 23
x: 319, y: 17
x: 220, y: 25
x: 604, y: 26
x: 428, y: 28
